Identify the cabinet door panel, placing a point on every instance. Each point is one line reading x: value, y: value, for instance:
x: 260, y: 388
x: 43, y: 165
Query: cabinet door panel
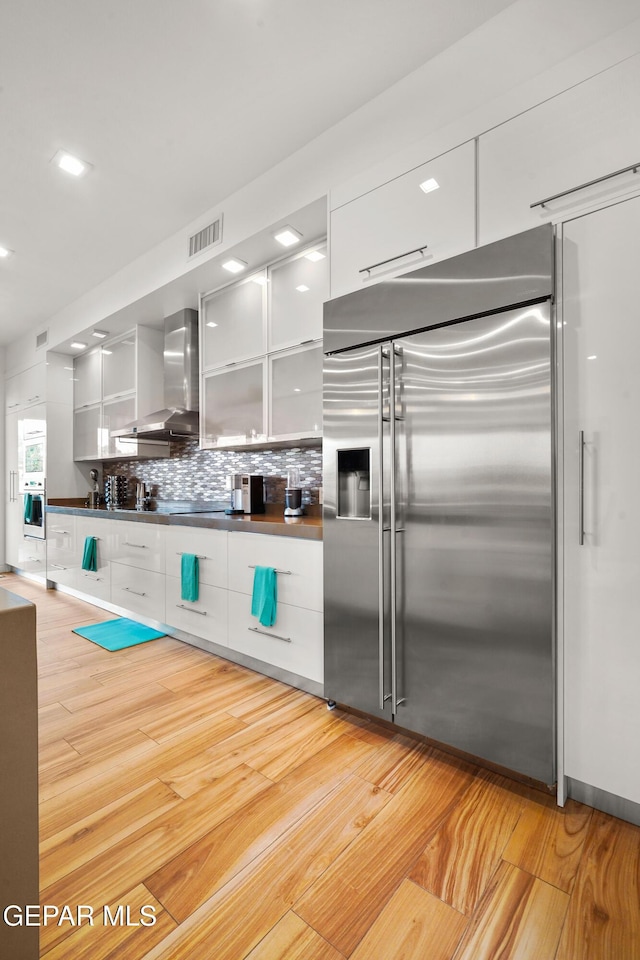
x: 297, y: 290
x: 88, y: 433
x: 580, y: 135
x: 601, y: 576
x: 296, y: 392
x: 87, y: 379
x: 209, y: 545
x: 300, y: 586
x: 119, y: 367
x: 233, y: 324
x: 294, y: 643
x: 399, y: 217
x: 140, y: 591
x: 234, y: 404
x: 117, y: 414
x: 206, y: 617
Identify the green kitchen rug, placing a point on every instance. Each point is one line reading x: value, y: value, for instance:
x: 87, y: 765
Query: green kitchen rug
x: 118, y: 634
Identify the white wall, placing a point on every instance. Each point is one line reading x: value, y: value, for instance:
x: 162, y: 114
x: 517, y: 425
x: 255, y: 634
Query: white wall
x: 3, y: 472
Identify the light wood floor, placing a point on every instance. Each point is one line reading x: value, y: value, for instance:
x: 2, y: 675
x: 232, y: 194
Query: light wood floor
x: 261, y: 825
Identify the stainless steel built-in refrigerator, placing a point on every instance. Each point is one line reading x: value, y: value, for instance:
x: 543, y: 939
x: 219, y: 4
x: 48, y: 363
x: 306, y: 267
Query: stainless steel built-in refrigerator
x: 438, y: 516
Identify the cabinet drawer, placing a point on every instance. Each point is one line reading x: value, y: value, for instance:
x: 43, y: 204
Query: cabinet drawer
x: 141, y: 591
x: 300, y: 585
x: 295, y: 642
x: 210, y: 546
x: 136, y: 544
x: 96, y: 585
x: 32, y: 555
x: 206, y: 618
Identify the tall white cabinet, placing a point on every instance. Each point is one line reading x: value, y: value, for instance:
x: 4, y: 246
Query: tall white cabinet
x: 601, y: 476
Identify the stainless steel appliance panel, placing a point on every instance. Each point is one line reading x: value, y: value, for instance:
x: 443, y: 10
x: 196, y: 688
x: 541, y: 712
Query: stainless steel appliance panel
x: 516, y: 270
x: 356, y: 612
x: 474, y: 557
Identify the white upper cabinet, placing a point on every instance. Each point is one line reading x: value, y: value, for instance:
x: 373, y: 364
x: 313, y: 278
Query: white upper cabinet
x: 383, y: 229
x: 296, y: 392
x: 234, y: 323
x: 119, y: 367
x: 87, y: 379
x: 578, y: 136
x: 116, y: 383
x: 297, y: 290
x: 233, y: 410
x: 26, y: 388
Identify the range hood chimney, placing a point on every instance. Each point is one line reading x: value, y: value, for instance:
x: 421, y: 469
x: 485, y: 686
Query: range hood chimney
x: 179, y: 418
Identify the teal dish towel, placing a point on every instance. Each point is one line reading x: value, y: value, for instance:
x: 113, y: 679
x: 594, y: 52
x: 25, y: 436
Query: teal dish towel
x: 90, y: 554
x: 28, y: 508
x: 264, y: 600
x: 189, y: 577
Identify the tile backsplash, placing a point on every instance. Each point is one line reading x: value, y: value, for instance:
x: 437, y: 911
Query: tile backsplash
x: 190, y: 473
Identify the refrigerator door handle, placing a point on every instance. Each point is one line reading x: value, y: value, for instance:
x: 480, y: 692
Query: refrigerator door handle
x: 382, y: 419
x: 393, y: 528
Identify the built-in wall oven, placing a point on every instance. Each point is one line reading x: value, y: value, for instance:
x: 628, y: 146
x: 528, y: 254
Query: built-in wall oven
x: 32, y: 479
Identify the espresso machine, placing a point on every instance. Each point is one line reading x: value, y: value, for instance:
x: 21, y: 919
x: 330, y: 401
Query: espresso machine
x: 293, y: 494
x: 246, y: 493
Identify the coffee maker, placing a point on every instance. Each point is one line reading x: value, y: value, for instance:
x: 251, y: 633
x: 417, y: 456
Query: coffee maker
x: 246, y: 493
x: 293, y: 494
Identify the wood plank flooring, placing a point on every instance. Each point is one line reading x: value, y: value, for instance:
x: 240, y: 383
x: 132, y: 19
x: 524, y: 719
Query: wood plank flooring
x: 259, y: 825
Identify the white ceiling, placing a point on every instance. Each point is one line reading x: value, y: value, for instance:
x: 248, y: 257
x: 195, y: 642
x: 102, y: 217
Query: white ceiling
x: 177, y: 105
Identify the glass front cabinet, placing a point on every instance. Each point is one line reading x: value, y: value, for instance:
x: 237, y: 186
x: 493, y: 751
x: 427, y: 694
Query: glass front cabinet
x: 261, y: 349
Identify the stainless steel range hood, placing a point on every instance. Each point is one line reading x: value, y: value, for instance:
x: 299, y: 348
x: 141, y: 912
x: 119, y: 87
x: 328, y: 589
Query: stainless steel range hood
x: 179, y: 418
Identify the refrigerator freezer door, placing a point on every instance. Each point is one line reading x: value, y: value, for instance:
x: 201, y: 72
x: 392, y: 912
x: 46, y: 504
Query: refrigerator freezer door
x: 475, y: 538
x: 356, y: 574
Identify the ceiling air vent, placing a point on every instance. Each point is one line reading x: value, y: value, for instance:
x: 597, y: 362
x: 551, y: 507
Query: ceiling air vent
x: 207, y: 237
x: 41, y: 339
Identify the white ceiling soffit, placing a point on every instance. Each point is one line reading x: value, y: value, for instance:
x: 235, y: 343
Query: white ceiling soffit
x: 176, y: 106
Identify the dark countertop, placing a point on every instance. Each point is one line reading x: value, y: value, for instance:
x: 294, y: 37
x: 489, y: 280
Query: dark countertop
x: 273, y: 522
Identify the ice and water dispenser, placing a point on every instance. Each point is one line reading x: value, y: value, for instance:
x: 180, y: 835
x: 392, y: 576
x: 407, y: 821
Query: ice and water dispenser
x: 354, y: 484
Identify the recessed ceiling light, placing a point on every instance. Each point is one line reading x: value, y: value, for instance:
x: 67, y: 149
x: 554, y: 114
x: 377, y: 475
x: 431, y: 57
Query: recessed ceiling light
x: 78, y: 345
x: 235, y: 266
x: 303, y: 288
x: 287, y: 236
x: 210, y: 323
x: 68, y: 368
x: 70, y: 164
x: 109, y: 352
x: 100, y: 334
x: 428, y: 185
x: 297, y: 390
x: 261, y: 279
x: 5, y: 252
x: 594, y: 356
x: 314, y: 256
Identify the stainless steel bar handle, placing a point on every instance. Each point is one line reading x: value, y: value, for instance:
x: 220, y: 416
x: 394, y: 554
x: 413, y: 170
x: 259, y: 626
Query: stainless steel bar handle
x: 137, y: 592
x: 181, y: 553
x: 140, y: 546
x: 89, y: 577
x: 286, y: 573
x: 392, y: 527
x: 183, y: 606
x: 382, y: 697
x: 274, y: 635
x: 581, y: 487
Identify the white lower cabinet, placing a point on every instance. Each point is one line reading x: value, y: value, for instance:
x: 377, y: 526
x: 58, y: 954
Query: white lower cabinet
x: 62, y: 554
x: 138, y: 590
x: 210, y: 546
x: 133, y: 556
x: 205, y: 617
x: 298, y: 562
x: 294, y: 643
x: 32, y: 556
